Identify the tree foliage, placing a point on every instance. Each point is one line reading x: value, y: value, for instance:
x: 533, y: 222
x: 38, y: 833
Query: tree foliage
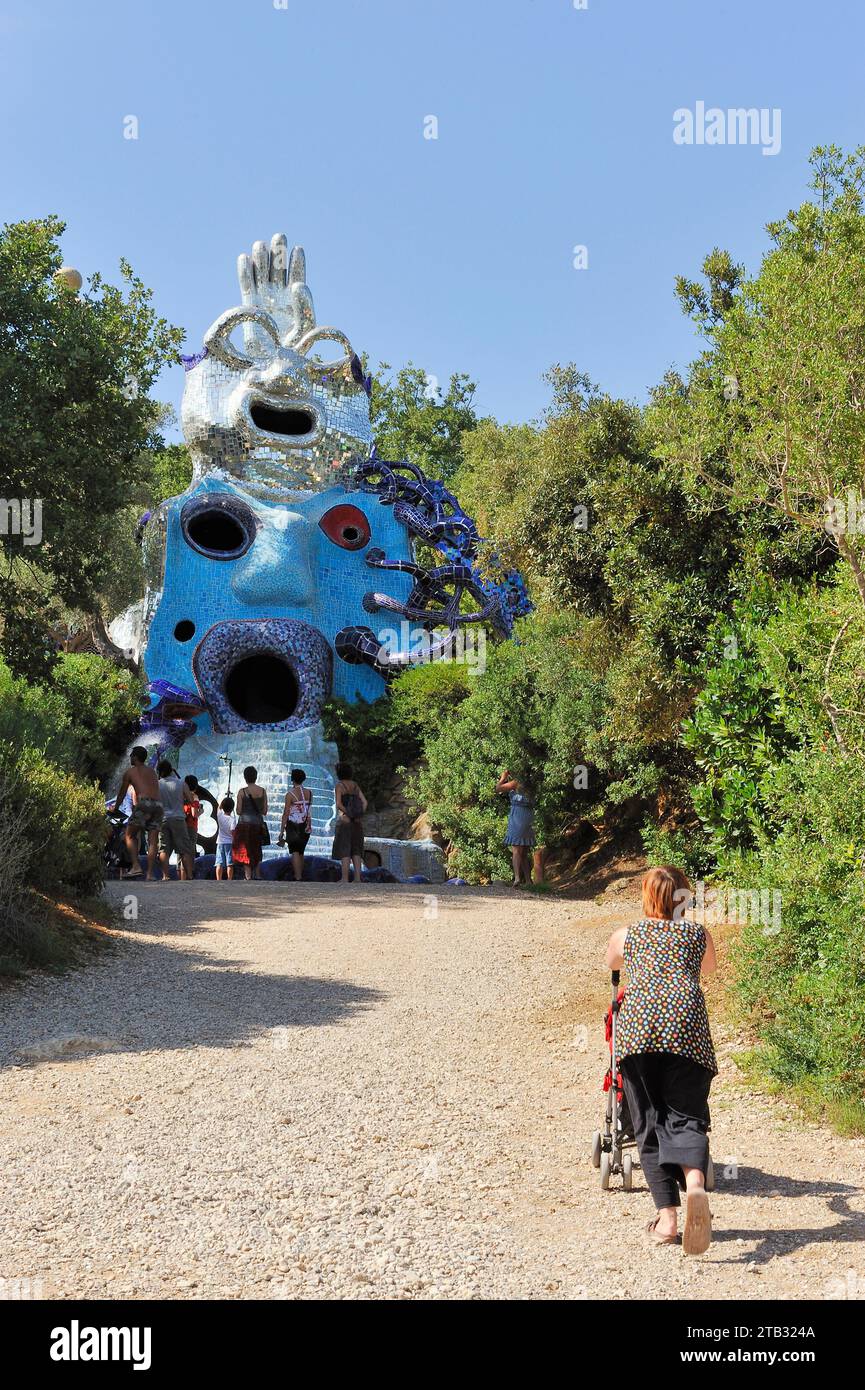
x: 772, y: 412
x: 413, y: 418
x: 76, y: 425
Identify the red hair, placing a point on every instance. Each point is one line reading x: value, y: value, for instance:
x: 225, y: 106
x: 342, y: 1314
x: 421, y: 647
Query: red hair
x: 666, y: 893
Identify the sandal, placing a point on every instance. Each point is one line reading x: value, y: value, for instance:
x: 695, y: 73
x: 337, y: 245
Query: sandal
x: 652, y: 1233
x: 698, y: 1224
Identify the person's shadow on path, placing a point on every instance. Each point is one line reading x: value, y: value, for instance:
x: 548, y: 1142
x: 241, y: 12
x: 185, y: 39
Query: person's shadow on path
x: 753, y: 1182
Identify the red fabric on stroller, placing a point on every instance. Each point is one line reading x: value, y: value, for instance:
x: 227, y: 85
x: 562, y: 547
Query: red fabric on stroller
x: 624, y: 1112
x: 608, y: 1031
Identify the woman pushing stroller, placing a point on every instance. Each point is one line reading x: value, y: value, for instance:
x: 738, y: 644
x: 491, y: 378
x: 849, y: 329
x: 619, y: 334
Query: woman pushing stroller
x: 667, y: 1057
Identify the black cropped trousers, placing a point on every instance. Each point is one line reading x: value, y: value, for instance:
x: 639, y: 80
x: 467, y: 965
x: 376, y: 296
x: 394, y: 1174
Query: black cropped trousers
x: 668, y: 1097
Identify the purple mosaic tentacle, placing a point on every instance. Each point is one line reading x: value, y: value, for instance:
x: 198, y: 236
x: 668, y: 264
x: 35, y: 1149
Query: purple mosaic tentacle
x: 433, y: 515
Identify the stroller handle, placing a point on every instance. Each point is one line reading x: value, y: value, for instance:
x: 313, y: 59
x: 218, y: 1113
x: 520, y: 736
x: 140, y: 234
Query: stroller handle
x: 615, y: 979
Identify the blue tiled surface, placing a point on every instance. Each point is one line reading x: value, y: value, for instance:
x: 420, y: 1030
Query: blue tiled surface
x: 291, y: 570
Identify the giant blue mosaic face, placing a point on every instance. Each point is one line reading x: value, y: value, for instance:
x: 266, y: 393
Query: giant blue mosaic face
x: 255, y: 593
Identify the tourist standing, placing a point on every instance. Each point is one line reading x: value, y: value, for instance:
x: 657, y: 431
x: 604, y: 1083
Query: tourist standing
x: 296, y: 826
x: 251, y: 832
x: 174, y: 835
x: 351, y: 805
x: 666, y: 1055
x: 201, y: 794
x: 146, y: 814
x: 192, y: 811
x: 520, y: 834
x: 226, y: 821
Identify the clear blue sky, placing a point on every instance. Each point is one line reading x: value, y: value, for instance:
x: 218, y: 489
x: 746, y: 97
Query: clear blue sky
x: 555, y: 129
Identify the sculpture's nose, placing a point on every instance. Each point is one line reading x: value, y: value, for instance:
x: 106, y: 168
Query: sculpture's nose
x: 276, y: 569
x: 284, y: 375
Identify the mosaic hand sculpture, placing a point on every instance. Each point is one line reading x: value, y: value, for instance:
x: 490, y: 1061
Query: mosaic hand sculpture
x: 260, y: 402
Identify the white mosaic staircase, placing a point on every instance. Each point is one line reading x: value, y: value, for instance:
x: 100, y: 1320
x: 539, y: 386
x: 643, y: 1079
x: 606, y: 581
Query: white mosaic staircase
x: 274, y: 755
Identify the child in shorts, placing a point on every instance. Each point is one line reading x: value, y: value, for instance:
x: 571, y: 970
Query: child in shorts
x: 226, y: 820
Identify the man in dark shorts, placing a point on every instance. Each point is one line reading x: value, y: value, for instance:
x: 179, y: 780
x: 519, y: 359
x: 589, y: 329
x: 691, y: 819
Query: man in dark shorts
x: 146, y: 813
x: 174, y: 836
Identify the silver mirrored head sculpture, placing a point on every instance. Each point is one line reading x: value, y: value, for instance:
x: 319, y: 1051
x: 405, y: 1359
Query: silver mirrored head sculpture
x: 262, y: 403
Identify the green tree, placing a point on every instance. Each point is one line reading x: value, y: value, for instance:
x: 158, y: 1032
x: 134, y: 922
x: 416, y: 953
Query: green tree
x: 76, y: 426
x: 772, y: 411
x: 170, y: 473
x: 536, y: 709
x: 603, y: 528
x: 414, y: 419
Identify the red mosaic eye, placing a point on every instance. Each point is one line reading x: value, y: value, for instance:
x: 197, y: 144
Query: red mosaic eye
x: 346, y: 526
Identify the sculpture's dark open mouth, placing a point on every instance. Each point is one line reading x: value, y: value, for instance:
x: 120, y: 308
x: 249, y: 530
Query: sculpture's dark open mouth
x: 293, y: 421
x: 272, y: 673
x: 262, y: 688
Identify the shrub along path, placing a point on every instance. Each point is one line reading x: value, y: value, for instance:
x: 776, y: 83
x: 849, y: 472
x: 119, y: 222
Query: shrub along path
x: 271, y: 1091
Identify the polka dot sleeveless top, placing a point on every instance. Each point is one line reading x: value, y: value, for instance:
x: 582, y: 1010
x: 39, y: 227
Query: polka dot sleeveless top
x: 664, y: 1009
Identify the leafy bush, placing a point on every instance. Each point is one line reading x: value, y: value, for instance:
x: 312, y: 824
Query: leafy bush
x: 368, y: 739
x: 80, y: 716
x: 56, y: 738
x: 34, y: 715
x: 424, y: 698
x: 59, y: 823
x: 805, y: 986
x: 102, y: 704
x: 534, y: 710
x: 737, y: 734
x: 50, y: 847
x: 64, y: 828
x: 686, y: 847
x: 783, y: 803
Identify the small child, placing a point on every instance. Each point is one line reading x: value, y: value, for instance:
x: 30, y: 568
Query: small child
x: 226, y: 820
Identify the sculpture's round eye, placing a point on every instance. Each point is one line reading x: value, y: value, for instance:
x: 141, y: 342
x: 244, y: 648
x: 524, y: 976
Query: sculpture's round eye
x: 218, y: 525
x: 346, y: 526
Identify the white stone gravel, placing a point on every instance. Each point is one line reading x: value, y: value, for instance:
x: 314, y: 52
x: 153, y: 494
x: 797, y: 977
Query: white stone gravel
x: 287, y: 1091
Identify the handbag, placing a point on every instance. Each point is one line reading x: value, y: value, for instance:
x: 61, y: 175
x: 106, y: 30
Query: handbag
x: 250, y: 807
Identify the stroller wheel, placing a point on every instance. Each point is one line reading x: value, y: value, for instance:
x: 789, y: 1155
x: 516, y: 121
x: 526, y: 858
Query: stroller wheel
x: 710, y: 1176
x: 627, y: 1173
x: 606, y: 1170
x: 596, y: 1149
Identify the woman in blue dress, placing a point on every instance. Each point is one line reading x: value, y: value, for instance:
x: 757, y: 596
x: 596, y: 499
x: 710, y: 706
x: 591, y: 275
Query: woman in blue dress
x: 521, y: 826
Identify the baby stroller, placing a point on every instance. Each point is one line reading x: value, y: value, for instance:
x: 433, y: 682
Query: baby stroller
x: 115, y: 855
x: 618, y: 1133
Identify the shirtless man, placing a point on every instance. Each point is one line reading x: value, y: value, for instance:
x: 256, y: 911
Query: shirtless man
x: 146, y: 813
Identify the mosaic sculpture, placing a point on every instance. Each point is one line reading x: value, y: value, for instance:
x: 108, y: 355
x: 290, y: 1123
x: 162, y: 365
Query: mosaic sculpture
x: 292, y: 533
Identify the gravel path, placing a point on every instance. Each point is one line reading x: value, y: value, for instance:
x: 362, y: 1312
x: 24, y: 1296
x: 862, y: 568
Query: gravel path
x: 280, y: 1092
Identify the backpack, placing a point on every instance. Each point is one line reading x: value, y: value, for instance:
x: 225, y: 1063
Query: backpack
x: 352, y: 805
